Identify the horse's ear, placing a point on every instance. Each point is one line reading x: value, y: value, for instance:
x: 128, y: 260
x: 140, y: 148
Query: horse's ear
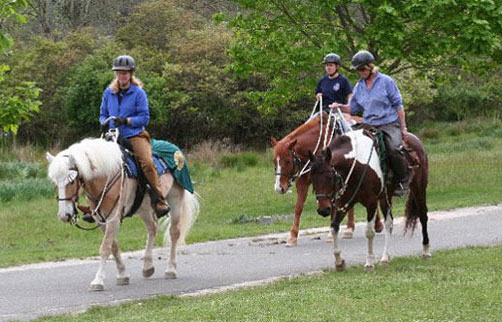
x: 292, y: 144
x: 327, y: 155
x: 311, y: 156
x: 49, y: 157
x: 273, y: 141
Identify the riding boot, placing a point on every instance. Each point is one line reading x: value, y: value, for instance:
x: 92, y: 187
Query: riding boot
x: 400, y: 168
x: 143, y: 154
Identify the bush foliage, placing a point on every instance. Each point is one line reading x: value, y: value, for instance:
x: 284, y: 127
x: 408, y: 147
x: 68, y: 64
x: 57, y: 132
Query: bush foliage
x: 193, y: 94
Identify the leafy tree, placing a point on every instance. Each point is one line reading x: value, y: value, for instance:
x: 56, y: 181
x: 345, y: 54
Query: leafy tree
x: 9, y: 9
x: 17, y: 104
x: 285, y: 40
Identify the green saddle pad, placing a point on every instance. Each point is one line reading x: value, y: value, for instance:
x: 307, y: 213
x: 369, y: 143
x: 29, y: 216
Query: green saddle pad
x: 175, y: 160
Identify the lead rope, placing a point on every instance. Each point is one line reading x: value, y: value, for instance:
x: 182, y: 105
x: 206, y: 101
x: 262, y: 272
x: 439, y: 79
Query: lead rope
x: 338, y: 196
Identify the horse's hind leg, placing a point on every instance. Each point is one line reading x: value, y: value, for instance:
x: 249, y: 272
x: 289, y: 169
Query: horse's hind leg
x: 348, y: 233
x: 174, y: 233
x: 370, y: 235
x: 151, y: 230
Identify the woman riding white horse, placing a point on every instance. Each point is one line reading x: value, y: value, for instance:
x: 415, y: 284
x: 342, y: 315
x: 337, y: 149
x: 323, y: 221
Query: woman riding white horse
x: 95, y: 166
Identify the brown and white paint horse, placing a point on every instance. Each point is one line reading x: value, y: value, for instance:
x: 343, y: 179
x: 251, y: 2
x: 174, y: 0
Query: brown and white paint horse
x: 95, y: 166
x: 348, y: 171
x: 291, y: 153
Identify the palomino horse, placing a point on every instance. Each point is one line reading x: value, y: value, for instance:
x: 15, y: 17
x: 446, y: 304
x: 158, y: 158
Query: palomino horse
x: 349, y: 171
x: 291, y: 154
x: 96, y: 166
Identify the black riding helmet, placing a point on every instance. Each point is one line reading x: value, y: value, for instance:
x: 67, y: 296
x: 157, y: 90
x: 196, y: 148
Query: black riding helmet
x: 361, y: 58
x: 332, y: 58
x: 124, y: 62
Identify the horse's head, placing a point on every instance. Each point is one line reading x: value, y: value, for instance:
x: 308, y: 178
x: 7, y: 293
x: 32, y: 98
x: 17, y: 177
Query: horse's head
x: 64, y: 174
x: 287, y: 164
x: 323, y: 177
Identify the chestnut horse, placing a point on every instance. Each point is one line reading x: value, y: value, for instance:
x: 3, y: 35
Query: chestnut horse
x: 290, y: 164
x: 96, y: 166
x: 348, y: 171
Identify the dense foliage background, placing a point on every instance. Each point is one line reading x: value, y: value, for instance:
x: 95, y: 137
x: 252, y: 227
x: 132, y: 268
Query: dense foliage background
x: 243, y: 70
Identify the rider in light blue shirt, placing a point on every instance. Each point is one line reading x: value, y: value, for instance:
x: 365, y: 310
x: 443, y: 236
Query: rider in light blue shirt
x: 379, y: 104
x: 377, y: 96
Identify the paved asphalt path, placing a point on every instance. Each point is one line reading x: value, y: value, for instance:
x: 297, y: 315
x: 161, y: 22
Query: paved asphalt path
x: 31, y: 291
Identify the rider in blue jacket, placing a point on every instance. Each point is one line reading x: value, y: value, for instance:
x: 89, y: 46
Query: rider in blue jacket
x: 127, y: 101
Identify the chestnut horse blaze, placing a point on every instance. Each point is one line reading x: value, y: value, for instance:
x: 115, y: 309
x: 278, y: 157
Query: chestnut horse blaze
x: 348, y: 171
x: 290, y: 156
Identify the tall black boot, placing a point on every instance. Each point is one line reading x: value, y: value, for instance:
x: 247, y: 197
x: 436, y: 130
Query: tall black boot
x: 400, y: 168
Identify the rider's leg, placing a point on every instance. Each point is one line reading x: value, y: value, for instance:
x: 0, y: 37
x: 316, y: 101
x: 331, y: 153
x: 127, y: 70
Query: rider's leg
x: 143, y: 153
x: 393, y: 141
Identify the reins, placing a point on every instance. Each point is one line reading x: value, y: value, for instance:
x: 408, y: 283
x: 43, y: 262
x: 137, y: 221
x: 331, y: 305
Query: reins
x: 335, y: 197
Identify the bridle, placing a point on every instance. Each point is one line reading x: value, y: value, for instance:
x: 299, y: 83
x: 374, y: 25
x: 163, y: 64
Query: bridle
x: 297, y: 166
x: 96, y: 211
x: 335, y: 195
x: 73, y: 198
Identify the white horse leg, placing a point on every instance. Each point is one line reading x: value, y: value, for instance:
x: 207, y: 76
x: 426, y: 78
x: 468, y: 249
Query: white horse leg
x: 122, y: 275
x: 174, y: 232
x: 339, y: 261
x: 426, y: 252
x: 151, y: 229
x: 388, y: 231
x: 370, y: 235
x: 105, y: 250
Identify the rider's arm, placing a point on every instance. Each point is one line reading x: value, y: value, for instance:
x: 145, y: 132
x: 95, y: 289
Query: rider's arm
x: 142, y: 116
x: 103, y: 114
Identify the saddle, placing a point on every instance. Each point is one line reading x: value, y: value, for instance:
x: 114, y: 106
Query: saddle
x: 377, y: 135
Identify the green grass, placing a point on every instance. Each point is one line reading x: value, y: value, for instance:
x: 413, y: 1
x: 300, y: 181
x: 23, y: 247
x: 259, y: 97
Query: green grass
x: 461, y: 285
x: 465, y: 171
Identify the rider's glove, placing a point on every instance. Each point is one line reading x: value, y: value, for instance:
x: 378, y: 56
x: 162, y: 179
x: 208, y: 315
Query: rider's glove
x: 120, y: 121
x: 104, y: 127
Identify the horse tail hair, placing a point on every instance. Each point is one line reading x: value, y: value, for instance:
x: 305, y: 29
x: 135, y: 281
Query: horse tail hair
x: 416, y: 205
x: 190, y: 208
x: 411, y: 212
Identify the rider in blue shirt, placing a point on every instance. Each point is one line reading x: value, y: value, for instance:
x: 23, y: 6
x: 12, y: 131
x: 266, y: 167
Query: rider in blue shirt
x: 377, y: 96
x: 333, y: 87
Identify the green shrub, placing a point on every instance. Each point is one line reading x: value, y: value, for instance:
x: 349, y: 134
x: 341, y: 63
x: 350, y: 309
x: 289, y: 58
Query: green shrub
x: 26, y: 189
x: 239, y: 160
x: 21, y: 170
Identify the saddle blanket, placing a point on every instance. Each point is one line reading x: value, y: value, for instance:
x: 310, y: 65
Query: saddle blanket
x: 166, y: 157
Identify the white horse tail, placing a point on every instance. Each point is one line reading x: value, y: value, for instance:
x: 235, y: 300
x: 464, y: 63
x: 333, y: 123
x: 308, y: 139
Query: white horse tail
x: 190, y: 208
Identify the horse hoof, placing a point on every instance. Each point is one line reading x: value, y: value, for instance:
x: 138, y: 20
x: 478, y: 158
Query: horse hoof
x: 385, y: 262
x: 96, y: 287
x: 426, y: 256
x: 148, y: 272
x: 122, y: 280
x: 292, y: 242
x: 369, y: 268
x: 170, y: 275
x: 348, y: 234
x: 340, y: 267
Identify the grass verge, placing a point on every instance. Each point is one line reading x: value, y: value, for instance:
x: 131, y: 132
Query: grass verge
x: 461, y: 285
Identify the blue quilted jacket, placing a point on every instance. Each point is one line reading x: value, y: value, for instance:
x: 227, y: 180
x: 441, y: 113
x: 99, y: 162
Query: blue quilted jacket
x: 133, y: 105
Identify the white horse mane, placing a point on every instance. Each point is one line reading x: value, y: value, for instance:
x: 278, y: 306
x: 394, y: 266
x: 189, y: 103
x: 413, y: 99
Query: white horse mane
x: 92, y: 158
